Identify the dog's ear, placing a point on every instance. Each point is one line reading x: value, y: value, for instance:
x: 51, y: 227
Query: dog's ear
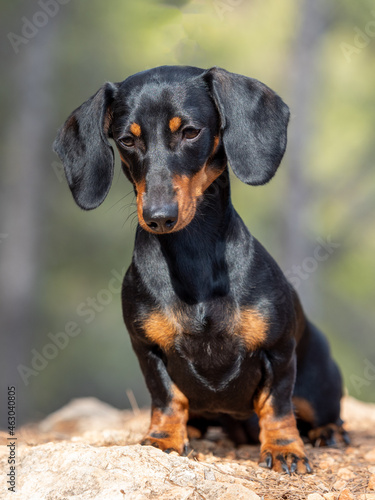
x: 83, y: 147
x: 254, y: 124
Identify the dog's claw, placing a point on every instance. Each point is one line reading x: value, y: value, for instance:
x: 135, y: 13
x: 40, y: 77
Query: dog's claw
x: 286, y: 462
x: 267, y: 462
x: 308, y: 466
x: 331, y: 441
x: 345, y: 438
x: 284, y: 465
x: 294, y: 465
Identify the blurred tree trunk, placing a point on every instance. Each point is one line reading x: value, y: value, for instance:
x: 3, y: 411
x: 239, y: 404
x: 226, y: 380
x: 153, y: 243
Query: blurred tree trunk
x: 304, y: 76
x: 22, y: 205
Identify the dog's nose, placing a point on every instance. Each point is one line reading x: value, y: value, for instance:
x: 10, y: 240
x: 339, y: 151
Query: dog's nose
x: 161, y: 219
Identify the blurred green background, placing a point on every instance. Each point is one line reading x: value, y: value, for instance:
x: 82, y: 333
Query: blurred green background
x: 60, y: 267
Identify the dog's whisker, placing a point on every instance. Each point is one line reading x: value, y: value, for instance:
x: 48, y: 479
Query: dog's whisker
x: 120, y: 200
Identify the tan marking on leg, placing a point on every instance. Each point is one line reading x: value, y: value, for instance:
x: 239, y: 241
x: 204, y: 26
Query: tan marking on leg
x: 279, y: 437
x: 304, y: 410
x: 168, y: 427
x: 193, y: 432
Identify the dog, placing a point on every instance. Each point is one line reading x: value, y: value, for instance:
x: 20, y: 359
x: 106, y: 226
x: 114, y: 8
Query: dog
x: 219, y: 332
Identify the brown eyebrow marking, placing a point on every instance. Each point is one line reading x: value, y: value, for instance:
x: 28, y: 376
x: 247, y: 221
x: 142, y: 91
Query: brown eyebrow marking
x: 135, y: 129
x: 175, y: 123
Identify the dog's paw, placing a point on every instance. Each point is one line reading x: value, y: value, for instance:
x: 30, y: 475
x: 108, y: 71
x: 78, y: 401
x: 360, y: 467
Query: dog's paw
x: 166, y: 442
x: 285, y: 455
x: 329, y: 435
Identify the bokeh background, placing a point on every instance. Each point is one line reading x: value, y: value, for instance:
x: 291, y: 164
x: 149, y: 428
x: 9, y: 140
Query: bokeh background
x: 62, y: 334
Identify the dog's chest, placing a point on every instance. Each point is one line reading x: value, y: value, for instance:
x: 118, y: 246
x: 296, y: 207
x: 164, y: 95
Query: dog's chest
x: 212, y: 332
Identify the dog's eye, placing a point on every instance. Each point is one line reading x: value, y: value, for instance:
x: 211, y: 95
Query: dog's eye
x: 127, y: 141
x: 190, y: 133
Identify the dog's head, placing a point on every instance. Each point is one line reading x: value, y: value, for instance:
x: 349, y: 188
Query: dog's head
x: 175, y: 127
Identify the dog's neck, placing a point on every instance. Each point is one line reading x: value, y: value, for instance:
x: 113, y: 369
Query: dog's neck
x: 195, y: 256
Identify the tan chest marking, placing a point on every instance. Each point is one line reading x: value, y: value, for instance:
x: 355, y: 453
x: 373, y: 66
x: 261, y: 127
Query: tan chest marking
x: 162, y: 329
x: 252, y: 327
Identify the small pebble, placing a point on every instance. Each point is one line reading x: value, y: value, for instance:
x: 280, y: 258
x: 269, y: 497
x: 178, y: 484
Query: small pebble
x: 339, y: 485
x: 371, y: 482
x: 315, y: 496
x: 345, y: 495
x: 345, y: 473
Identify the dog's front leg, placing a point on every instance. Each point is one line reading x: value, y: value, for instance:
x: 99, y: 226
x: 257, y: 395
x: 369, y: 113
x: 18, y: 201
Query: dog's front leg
x: 282, y: 448
x: 169, y: 406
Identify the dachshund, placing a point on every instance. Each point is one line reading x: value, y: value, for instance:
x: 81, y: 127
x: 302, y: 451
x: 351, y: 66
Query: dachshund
x: 219, y: 332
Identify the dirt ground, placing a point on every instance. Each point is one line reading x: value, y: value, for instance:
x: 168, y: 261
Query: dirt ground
x: 214, y: 468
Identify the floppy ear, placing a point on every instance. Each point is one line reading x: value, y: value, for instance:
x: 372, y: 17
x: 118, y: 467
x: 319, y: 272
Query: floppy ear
x: 254, y: 122
x: 83, y: 147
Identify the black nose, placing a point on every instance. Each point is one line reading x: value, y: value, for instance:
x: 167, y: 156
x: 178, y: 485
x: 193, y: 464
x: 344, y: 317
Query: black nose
x: 161, y: 219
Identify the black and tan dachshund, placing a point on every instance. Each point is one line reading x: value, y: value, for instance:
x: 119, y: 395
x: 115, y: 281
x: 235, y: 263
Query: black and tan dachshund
x: 219, y: 332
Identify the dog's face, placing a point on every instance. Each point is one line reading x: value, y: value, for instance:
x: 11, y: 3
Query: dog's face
x: 167, y: 130
x: 175, y: 127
